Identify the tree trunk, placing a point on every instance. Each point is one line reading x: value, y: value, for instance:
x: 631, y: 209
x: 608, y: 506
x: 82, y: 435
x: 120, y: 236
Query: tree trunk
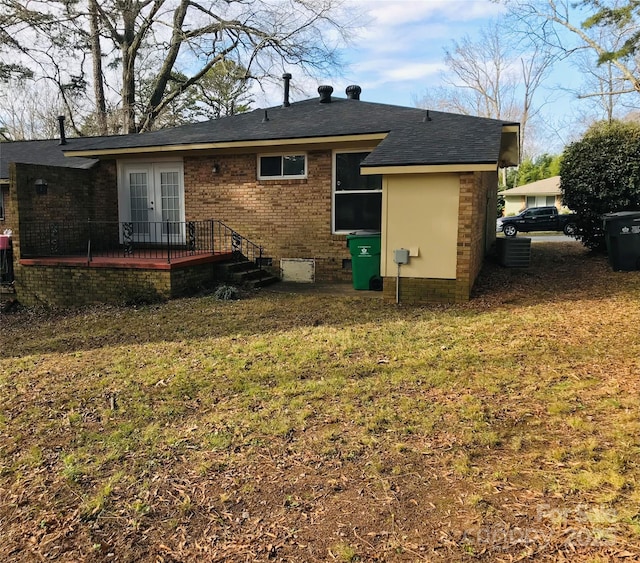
x: 128, y: 70
x: 98, y: 80
x: 160, y: 84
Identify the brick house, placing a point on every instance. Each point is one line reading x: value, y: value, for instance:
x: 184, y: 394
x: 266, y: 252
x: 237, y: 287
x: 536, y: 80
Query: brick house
x: 296, y: 179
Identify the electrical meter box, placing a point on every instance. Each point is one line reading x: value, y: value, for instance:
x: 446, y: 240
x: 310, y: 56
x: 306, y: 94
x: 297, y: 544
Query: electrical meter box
x: 401, y: 256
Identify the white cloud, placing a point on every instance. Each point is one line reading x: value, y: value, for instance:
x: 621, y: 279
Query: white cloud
x: 393, y: 70
x: 399, y: 50
x: 393, y: 13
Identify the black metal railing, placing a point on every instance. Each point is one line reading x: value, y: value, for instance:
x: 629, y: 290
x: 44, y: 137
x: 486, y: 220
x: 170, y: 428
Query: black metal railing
x: 130, y: 239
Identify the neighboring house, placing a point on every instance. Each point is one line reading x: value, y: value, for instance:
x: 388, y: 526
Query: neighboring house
x: 536, y: 194
x: 294, y: 179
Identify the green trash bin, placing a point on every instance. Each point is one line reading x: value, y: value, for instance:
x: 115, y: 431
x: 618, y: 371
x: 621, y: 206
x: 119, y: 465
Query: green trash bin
x: 622, y: 235
x: 364, y: 247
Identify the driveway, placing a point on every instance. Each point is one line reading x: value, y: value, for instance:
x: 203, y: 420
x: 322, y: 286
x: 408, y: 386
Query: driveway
x: 545, y: 237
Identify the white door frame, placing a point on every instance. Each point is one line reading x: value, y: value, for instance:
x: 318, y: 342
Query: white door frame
x: 158, y: 207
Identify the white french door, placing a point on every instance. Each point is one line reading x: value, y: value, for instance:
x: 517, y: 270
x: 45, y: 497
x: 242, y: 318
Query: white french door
x: 152, y: 200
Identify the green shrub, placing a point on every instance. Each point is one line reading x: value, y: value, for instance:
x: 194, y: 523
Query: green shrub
x: 226, y: 293
x: 601, y: 174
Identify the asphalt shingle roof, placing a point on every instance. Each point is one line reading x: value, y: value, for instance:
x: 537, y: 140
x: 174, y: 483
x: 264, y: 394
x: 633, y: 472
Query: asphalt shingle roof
x: 413, y: 139
x: 48, y: 153
x: 548, y: 186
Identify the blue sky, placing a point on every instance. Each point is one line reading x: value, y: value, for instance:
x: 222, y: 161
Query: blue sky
x: 401, y: 51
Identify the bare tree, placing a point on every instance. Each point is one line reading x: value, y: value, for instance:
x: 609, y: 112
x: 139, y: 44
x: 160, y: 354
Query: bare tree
x: 600, y: 87
x: 28, y: 111
x: 561, y: 25
x: 495, y: 76
x: 481, y: 73
x: 190, y: 37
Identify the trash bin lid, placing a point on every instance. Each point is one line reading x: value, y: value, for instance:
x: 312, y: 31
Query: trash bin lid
x: 363, y: 233
x: 622, y: 215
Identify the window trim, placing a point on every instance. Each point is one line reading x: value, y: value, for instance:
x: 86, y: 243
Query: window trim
x: 334, y: 192
x: 283, y: 176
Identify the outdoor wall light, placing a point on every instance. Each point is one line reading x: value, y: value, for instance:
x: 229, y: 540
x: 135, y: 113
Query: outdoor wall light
x: 41, y: 186
x: 216, y: 168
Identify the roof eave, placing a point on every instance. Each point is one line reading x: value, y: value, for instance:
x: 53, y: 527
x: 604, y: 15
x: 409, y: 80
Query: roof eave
x: 429, y: 168
x: 510, y: 145
x: 244, y: 144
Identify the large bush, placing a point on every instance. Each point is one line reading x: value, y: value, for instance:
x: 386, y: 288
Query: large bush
x: 601, y: 174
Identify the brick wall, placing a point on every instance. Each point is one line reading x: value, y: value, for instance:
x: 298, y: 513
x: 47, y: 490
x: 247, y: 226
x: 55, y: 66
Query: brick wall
x: 476, y: 198
x: 426, y: 290
x: 7, y: 216
x: 289, y: 218
x: 72, y: 195
x: 62, y: 286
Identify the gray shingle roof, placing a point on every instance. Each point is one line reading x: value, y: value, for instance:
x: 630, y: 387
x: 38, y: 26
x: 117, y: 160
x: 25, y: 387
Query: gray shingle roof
x: 48, y: 153
x: 443, y: 139
x: 548, y: 186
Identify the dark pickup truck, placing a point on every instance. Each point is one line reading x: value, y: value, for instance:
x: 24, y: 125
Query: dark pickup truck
x: 538, y: 219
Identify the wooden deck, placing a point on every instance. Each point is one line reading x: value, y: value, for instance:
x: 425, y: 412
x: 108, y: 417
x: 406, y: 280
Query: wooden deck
x: 159, y: 261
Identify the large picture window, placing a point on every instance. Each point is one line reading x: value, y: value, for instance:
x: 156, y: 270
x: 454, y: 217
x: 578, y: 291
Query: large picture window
x: 357, y: 202
x: 272, y: 167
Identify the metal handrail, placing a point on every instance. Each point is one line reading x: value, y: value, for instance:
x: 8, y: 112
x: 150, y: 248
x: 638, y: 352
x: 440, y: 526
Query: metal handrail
x: 131, y: 239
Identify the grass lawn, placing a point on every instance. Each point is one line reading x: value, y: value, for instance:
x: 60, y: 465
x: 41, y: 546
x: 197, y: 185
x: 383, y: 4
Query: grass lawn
x: 312, y: 428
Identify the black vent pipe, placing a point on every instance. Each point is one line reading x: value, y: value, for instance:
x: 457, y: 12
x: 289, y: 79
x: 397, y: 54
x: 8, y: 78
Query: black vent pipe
x: 287, y: 78
x: 63, y: 137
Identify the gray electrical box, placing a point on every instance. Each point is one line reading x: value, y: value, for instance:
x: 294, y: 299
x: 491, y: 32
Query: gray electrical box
x: 401, y: 256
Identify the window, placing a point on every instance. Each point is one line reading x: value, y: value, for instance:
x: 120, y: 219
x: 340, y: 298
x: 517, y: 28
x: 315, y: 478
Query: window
x: 531, y: 201
x: 357, y: 203
x: 282, y: 166
x: 550, y: 200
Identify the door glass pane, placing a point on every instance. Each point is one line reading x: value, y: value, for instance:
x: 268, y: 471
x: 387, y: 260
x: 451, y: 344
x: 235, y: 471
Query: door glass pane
x: 170, y: 197
x: 139, y: 199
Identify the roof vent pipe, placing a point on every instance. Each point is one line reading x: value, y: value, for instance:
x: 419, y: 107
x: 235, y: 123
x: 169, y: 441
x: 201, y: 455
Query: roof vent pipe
x: 287, y: 78
x: 63, y: 137
x: 353, y: 92
x: 325, y: 94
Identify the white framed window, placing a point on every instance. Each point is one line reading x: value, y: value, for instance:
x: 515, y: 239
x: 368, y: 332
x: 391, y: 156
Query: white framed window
x: 357, y: 199
x: 282, y: 166
x: 540, y: 201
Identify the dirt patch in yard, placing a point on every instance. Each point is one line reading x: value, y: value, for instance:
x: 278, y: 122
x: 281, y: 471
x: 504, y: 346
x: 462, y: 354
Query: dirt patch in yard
x: 314, y: 428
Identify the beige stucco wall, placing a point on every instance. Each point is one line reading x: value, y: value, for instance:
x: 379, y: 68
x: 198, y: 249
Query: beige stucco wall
x: 516, y: 203
x: 420, y: 213
x: 513, y: 205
